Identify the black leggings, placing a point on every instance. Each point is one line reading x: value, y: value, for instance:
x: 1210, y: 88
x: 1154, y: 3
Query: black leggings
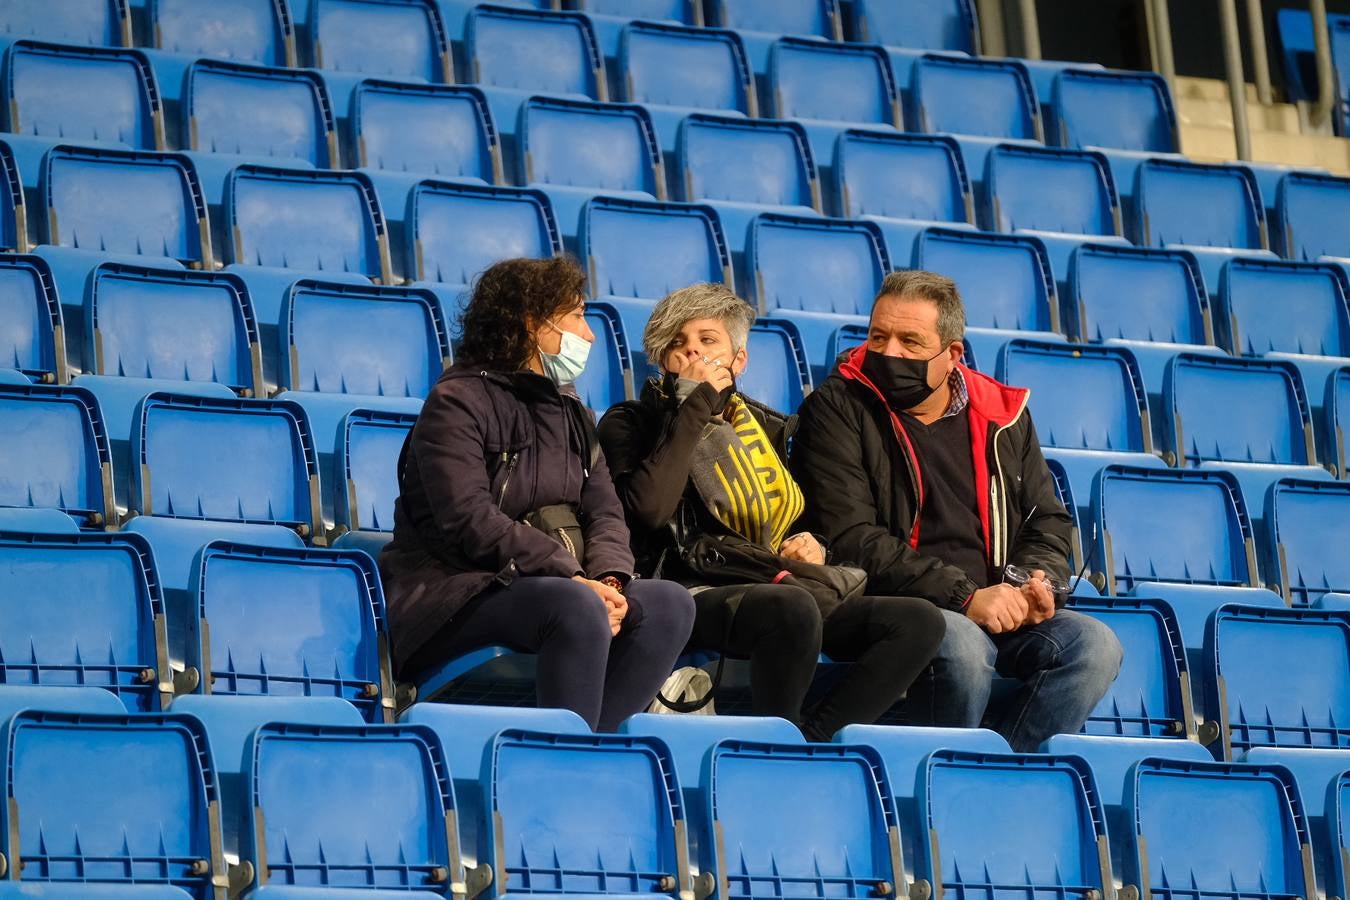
x: 778, y: 628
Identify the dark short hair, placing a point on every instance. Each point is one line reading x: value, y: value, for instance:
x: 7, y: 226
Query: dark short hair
x: 918, y: 284
x: 506, y: 298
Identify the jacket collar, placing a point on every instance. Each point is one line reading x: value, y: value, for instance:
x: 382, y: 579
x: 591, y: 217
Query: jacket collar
x: 989, y: 399
x: 524, y: 384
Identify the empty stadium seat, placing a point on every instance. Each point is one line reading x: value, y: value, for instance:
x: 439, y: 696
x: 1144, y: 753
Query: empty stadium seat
x: 1278, y: 677
x: 173, y: 325
x: 84, y: 609
x: 916, y: 24
x: 66, y: 93
x: 349, y: 339
x: 396, y: 38
x: 98, y: 22
x: 608, y: 377
x: 307, y: 779
x: 303, y: 219
x: 675, y: 70
x: 850, y: 842
x: 118, y: 201
x: 55, y: 451
x: 1174, y: 848
x: 13, y: 209
x: 427, y: 130
x: 975, y: 97
x: 32, y: 330
x: 367, y: 459
x: 1306, y: 523
x: 233, y: 460
x: 802, y: 17
x: 134, y: 803
x: 533, y: 50
x: 1005, y: 281
x: 817, y: 273
x: 287, y: 622
x: 804, y: 79
x: 1335, y: 419
x: 1308, y: 210
x: 1040, y: 825
x: 745, y: 167
x: 1322, y: 786
x: 248, y: 31
x: 609, y: 18
x: 779, y: 375
x: 1110, y: 109
x: 573, y: 150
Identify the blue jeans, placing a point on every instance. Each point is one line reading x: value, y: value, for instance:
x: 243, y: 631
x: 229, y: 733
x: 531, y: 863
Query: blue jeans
x: 1066, y: 665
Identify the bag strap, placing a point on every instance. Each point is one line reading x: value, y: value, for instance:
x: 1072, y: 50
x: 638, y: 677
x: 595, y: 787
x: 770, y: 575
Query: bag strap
x: 733, y: 603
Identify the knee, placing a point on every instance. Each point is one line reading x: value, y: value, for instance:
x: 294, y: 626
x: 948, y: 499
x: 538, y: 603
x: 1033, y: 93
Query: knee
x: 795, y: 613
x: 1096, y: 649
x: 965, y: 648
x: 575, y: 613
x: 923, y: 625
x: 665, y: 606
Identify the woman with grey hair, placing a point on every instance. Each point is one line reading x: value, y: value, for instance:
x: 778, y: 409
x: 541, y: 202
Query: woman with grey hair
x: 693, y: 457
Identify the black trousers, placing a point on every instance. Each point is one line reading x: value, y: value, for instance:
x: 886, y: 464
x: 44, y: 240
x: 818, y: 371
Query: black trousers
x: 778, y: 627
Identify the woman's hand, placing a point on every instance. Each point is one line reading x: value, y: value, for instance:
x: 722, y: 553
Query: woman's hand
x: 696, y: 369
x: 803, y: 547
x: 616, y: 605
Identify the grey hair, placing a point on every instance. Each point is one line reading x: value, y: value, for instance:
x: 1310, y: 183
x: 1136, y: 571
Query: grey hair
x: 704, y: 300
x: 917, y: 284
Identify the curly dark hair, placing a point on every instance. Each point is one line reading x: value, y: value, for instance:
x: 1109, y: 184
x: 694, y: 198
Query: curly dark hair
x: 507, y: 296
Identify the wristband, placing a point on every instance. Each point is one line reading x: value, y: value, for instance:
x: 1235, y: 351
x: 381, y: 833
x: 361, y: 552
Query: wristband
x: 613, y: 582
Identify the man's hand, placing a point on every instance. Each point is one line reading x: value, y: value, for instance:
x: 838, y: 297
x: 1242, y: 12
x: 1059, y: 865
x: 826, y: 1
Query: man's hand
x: 1040, y: 599
x: 803, y: 547
x: 999, y: 608
x: 713, y: 372
x: 616, y: 604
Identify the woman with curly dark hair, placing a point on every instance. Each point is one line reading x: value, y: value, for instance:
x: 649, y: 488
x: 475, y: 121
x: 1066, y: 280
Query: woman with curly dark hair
x: 507, y: 529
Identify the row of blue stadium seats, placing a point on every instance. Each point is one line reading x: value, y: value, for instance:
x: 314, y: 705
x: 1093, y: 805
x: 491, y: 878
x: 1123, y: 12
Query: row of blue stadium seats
x: 477, y: 801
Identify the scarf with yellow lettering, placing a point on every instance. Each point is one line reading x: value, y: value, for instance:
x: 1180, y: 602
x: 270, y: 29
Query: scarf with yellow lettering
x: 742, y: 481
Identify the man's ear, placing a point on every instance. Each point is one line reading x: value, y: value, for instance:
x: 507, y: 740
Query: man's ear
x: 956, y: 350
x: 739, y: 361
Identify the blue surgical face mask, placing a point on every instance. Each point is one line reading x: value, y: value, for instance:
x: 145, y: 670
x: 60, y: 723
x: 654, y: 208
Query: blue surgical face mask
x: 566, y: 366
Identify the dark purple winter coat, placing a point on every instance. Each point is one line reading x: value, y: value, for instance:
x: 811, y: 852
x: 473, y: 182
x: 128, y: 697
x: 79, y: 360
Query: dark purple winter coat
x: 488, y: 448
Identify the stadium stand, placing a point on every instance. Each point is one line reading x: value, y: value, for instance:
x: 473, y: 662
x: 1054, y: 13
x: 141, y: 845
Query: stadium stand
x: 1305, y: 523
x: 367, y: 460
x: 760, y: 22
x: 1307, y: 207
x: 100, y: 23
x: 423, y: 130
x: 942, y: 25
x: 398, y: 39
x: 1130, y: 111
x: 248, y: 31
x: 1321, y: 785
x: 56, y: 452
x: 32, y: 323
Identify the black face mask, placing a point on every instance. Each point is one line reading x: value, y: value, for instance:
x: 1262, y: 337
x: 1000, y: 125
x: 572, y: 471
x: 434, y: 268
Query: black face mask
x: 903, y: 382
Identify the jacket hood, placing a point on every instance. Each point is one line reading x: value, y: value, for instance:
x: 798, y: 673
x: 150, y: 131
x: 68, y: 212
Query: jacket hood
x: 992, y: 400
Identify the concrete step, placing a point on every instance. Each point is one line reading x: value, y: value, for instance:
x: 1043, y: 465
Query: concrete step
x: 1187, y: 86
x: 1279, y: 117
x: 1212, y: 143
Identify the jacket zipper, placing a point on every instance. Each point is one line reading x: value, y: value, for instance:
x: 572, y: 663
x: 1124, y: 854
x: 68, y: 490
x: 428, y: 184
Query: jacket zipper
x: 997, y: 518
x: 510, y: 460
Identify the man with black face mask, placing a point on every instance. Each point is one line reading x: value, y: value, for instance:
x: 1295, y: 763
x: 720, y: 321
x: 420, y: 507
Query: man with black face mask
x: 930, y: 477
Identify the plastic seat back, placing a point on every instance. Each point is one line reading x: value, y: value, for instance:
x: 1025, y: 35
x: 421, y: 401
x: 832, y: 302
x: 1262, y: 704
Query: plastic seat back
x: 350, y: 339
x: 1308, y: 211
x: 81, y: 94
x: 817, y: 265
x: 13, y: 209
x: 685, y: 11
x: 701, y: 68
x: 818, y: 18
x: 395, y: 38
x: 1051, y: 190
x: 620, y: 239
x: 102, y: 23
x: 607, y: 378
x: 609, y: 147
x: 243, y: 109
x: 1265, y: 306
x: 1119, y: 110
x: 458, y: 230
x: 1309, y: 523
x: 1198, y: 204
x: 1138, y: 294
x: 533, y: 50
x: 901, y: 176
x: 1005, y: 280
x: 174, y: 325
x: 985, y: 98
x: 723, y: 158
x: 248, y: 31
x: 1275, y: 425
x: 54, y: 452
x: 780, y: 376
x: 916, y: 24
x: 32, y: 332
x: 804, y: 76
x: 368, y: 459
x: 432, y: 130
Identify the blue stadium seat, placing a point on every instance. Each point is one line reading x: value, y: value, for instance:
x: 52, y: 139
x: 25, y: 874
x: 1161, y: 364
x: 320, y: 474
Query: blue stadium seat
x: 916, y: 24
x: 1278, y: 677
x: 779, y: 374
x: 1308, y: 208
x: 903, y: 182
x: 818, y: 18
x: 1039, y: 827
x: 528, y: 50
x: 1322, y: 785
x: 104, y: 23
x: 1006, y: 282
x: 1110, y: 109
x: 332, y: 221
x: 367, y: 460
x: 395, y: 38
x: 617, y: 239
x: 850, y: 843
x: 118, y: 201
x: 1151, y: 697
x: 608, y: 378
x: 1088, y: 404
x: 232, y: 108
x: 609, y: 18
x: 291, y: 623
x: 55, y: 451
x: 674, y: 70
x: 1306, y: 523
x: 36, y: 521
x: 804, y: 79
x: 13, y: 211
x: 817, y: 273
x: 1064, y: 493
x: 1335, y: 421
x: 557, y: 800
x: 135, y: 802
x: 18, y: 697
x: 230, y: 723
x: 1272, y: 438
x: 65, y: 93
x: 306, y: 780
x: 84, y: 609
x: 172, y: 325
x: 975, y: 97
x: 573, y: 150
x: 745, y: 167
x: 348, y: 339
x: 248, y: 31
x: 32, y: 329
x: 1293, y: 311
x: 423, y: 130
x: 249, y: 461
